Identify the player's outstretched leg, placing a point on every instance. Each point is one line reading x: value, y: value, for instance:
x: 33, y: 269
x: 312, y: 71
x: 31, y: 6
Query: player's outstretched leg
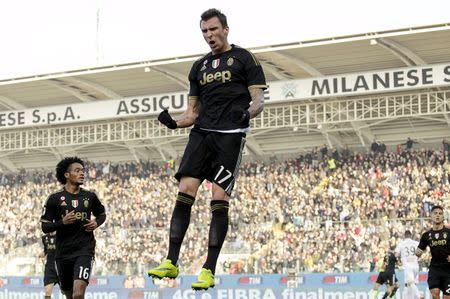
x: 205, y: 280
x: 396, y: 287
x: 179, y: 224
x: 217, y: 233
x: 166, y: 269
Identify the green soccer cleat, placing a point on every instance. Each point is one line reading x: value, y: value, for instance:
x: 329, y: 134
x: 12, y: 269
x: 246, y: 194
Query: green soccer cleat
x: 166, y: 269
x: 204, y: 281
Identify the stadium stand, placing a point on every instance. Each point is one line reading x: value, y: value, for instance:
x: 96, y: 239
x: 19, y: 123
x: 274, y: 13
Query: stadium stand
x: 286, y: 214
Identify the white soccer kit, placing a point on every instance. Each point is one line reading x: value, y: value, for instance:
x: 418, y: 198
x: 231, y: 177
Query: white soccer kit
x: 407, y: 250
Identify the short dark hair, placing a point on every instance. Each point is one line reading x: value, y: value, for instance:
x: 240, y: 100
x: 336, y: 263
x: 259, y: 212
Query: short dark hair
x: 408, y: 234
x: 213, y: 12
x: 437, y: 207
x: 63, y: 166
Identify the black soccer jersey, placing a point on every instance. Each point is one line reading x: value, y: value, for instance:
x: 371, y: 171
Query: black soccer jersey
x: 72, y: 239
x: 49, y: 242
x: 389, y: 262
x: 439, y: 243
x: 220, y: 83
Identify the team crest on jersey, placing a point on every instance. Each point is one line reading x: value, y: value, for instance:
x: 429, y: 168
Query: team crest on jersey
x: 215, y: 63
x: 436, y: 235
x: 445, y: 235
x: 86, y: 202
x: 230, y: 61
x: 74, y: 203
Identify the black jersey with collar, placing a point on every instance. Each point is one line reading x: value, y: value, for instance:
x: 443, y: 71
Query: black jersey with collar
x: 220, y: 83
x: 439, y: 243
x: 49, y: 242
x: 72, y: 239
x: 389, y: 262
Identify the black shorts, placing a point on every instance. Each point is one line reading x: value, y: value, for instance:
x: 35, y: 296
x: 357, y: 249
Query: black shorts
x: 79, y: 267
x: 212, y: 156
x: 50, y: 275
x: 388, y: 278
x: 439, y: 279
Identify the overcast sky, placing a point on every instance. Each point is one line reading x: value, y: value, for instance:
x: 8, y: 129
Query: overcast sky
x: 43, y: 36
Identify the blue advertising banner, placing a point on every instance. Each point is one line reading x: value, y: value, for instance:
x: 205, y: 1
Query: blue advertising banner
x: 275, y: 286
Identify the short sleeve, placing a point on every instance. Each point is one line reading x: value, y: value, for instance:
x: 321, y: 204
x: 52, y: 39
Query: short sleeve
x: 194, y: 89
x: 254, y: 72
x: 423, y: 242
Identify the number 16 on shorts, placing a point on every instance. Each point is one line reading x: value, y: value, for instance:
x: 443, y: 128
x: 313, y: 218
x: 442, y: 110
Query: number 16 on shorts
x: 84, y: 273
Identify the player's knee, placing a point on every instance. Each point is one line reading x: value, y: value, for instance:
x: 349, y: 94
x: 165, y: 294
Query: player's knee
x: 187, y: 187
x: 219, y: 194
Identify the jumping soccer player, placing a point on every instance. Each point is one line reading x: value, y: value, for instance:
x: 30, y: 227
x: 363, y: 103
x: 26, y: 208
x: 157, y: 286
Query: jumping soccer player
x: 226, y: 91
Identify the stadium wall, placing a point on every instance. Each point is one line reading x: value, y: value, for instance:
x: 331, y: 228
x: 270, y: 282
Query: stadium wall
x: 302, y: 286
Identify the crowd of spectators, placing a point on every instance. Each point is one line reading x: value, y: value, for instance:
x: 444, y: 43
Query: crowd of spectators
x: 298, y: 213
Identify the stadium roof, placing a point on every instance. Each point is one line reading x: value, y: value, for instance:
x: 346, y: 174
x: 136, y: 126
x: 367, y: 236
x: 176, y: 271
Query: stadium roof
x: 297, y: 60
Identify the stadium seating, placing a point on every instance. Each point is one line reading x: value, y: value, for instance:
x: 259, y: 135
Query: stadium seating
x: 292, y: 214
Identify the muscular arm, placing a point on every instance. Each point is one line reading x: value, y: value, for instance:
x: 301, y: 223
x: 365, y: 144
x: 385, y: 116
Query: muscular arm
x: 257, y: 105
x: 188, y: 117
